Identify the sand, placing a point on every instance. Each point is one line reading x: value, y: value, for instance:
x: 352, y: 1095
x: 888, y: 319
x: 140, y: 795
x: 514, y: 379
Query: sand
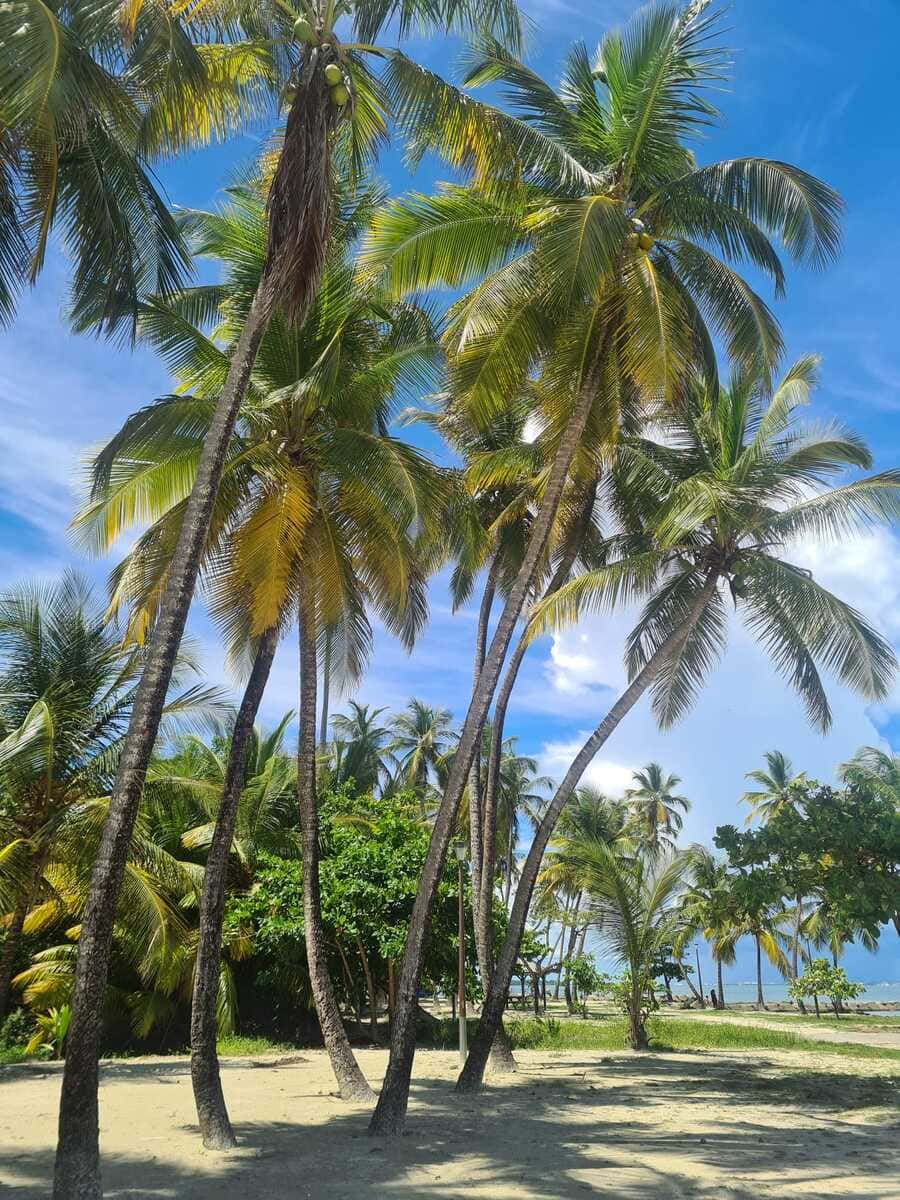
x: 620, y: 1126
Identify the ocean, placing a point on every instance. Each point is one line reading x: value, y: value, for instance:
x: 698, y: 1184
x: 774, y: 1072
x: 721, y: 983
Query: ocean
x: 744, y: 992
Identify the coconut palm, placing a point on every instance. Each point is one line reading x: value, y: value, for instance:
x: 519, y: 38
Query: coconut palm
x: 67, y: 686
x: 299, y: 213
x: 708, y: 907
x: 90, y: 95
x: 732, y: 484
x: 776, y: 787
x: 655, y: 808
x: 360, y: 747
x: 594, y: 817
x: 420, y: 737
x: 315, y: 514
x: 591, y: 241
x: 634, y: 901
x: 184, y: 794
x: 876, y: 769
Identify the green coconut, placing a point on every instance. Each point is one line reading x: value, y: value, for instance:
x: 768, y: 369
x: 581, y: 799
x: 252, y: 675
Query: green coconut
x: 646, y: 240
x: 304, y: 32
x: 333, y: 75
x: 340, y: 95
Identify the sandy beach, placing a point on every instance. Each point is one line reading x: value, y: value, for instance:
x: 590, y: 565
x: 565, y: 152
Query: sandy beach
x: 735, y: 1125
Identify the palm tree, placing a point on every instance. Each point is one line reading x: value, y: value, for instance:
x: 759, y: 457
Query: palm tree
x: 420, y: 737
x: 88, y: 100
x: 590, y: 816
x: 776, y: 787
x: 67, y: 686
x: 708, y: 907
x: 299, y: 211
x: 655, y: 808
x: 732, y: 493
x: 634, y: 900
x: 360, y: 747
x: 588, y: 237
x: 779, y: 788
x: 317, y: 504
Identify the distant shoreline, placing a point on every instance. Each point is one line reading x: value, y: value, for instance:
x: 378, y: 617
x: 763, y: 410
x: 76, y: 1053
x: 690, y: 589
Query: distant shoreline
x: 858, y: 1008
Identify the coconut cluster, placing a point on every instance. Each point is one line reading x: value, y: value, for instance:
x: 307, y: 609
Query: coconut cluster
x: 338, y: 90
x: 640, y: 236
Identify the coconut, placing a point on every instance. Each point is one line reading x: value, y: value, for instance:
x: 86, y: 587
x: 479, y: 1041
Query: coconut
x: 646, y: 240
x: 340, y: 95
x: 304, y: 32
x: 333, y: 75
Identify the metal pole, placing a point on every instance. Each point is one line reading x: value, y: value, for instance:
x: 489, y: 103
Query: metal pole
x: 463, y: 1046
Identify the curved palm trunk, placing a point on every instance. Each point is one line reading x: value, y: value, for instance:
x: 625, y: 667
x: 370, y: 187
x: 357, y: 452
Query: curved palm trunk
x: 472, y: 1074
x: 390, y: 1111
x: 77, y: 1174
x: 501, y: 705
x: 351, y: 1081
x: 699, y: 977
x: 212, y: 1112
x: 299, y: 224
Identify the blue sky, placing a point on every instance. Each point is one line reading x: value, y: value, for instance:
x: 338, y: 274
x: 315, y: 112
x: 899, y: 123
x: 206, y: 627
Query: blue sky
x: 813, y: 85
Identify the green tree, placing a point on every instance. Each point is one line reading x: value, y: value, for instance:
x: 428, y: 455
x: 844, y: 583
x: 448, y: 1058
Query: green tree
x: 776, y: 784
x: 588, y: 239
x: 822, y: 979
x: 731, y: 488
x: 420, y: 737
x: 654, y: 807
x: 89, y: 100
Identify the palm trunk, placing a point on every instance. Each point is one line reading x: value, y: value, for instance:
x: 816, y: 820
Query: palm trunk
x: 351, y: 1081
x: 721, y: 985
x: 77, y: 1173
x: 760, y: 1002
x: 212, y: 1113
x: 10, y: 946
x: 699, y: 977
x: 326, y: 690
x: 390, y: 1112
x: 501, y: 706
x: 795, y: 952
x: 473, y: 1072
x: 482, y: 945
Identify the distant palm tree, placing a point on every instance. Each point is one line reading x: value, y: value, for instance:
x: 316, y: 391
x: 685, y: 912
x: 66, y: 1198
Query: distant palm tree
x: 360, y: 747
x: 778, y: 786
x: 655, y: 808
x: 420, y: 737
x: 708, y: 907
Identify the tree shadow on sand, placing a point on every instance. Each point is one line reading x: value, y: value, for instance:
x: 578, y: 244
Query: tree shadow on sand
x: 556, y: 1131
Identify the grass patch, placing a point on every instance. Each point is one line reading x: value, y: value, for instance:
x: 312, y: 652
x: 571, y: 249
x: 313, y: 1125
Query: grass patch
x: 244, y: 1047
x: 669, y: 1033
x: 826, y: 1021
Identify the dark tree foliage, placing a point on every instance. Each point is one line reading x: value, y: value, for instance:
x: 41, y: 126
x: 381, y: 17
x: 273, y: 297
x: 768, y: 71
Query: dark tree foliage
x: 840, y: 845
